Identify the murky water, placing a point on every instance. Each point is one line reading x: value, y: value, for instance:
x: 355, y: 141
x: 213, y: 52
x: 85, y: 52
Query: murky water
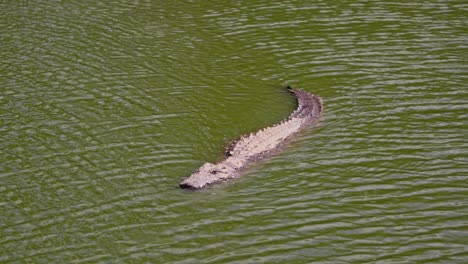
x: 106, y: 106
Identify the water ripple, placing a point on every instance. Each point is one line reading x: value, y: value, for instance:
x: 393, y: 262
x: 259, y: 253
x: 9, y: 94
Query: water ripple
x: 104, y: 108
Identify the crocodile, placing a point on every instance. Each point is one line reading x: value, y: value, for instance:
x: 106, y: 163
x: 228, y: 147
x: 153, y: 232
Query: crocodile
x: 258, y: 145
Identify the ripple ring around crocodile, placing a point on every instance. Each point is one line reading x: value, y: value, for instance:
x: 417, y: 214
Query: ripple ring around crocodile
x: 258, y: 145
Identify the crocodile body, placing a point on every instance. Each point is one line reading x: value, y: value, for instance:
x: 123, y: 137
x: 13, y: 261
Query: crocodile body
x: 255, y: 146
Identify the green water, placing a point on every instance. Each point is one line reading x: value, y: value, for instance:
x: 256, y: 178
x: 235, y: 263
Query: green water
x: 106, y: 106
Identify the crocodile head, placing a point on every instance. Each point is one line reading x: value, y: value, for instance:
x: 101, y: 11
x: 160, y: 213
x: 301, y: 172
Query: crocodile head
x: 207, y: 174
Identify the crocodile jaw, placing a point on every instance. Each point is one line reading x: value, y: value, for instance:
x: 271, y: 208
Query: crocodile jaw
x: 211, y: 173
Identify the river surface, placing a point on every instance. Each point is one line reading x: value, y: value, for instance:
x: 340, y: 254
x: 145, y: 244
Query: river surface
x: 105, y: 106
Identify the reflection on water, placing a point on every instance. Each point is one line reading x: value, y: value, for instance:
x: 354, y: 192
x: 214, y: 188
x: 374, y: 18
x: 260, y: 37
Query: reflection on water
x: 105, y: 107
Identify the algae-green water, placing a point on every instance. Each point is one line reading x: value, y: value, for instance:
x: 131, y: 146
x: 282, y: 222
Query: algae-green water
x: 105, y: 106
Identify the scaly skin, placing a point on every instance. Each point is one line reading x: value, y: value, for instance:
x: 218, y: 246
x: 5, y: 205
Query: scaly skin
x: 258, y: 145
